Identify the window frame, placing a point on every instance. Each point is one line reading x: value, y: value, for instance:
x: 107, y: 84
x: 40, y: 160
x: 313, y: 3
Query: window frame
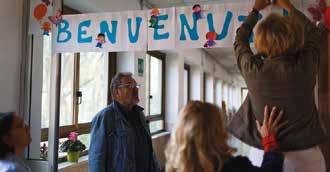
x: 158, y: 117
x: 242, y: 90
x: 187, y: 68
x: 81, y: 128
x: 204, y: 86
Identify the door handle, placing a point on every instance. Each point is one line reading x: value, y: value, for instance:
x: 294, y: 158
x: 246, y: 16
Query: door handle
x: 79, y: 97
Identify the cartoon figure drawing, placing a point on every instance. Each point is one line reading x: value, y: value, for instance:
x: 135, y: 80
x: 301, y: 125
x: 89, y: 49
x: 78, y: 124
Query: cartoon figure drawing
x: 210, y: 36
x: 47, y: 2
x: 46, y: 27
x: 100, y: 40
x: 57, y: 18
x: 197, y: 11
x: 154, y: 18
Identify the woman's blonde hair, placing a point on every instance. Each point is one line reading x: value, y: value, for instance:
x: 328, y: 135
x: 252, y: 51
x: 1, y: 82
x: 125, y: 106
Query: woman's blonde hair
x: 199, y: 141
x: 278, y: 35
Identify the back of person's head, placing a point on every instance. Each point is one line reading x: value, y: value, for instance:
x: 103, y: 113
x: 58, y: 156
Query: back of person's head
x: 6, y: 121
x: 278, y: 35
x: 199, y: 141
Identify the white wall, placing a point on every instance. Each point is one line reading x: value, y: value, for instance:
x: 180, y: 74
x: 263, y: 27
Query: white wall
x: 210, y: 89
x: 196, y: 75
x: 199, y: 62
x: 128, y: 62
x: 11, y: 53
x: 174, y: 88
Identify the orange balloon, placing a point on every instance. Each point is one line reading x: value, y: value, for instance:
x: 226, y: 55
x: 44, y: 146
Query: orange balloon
x: 40, y: 11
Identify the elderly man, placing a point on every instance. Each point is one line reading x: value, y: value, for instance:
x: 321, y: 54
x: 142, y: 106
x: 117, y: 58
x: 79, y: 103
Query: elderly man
x: 120, y: 137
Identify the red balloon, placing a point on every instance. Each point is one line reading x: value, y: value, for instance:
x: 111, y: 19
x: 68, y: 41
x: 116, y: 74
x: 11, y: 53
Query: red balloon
x: 40, y: 11
x: 211, y: 35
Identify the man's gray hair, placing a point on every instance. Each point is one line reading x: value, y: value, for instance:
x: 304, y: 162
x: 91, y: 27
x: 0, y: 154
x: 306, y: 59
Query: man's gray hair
x: 116, y: 80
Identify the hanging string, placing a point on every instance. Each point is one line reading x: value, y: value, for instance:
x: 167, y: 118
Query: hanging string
x: 174, y: 3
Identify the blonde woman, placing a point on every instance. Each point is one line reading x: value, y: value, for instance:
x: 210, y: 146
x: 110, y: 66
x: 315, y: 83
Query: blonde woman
x: 199, y: 142
x: 282, y: 73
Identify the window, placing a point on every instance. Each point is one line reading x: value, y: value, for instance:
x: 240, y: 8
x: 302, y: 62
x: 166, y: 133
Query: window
x: 218, y: 92
x: 46, y: 81
x: 244, y: 92
x: 155, y: 70
x: 225, y: 93
x: 186, y: 84
x: 83, y: 92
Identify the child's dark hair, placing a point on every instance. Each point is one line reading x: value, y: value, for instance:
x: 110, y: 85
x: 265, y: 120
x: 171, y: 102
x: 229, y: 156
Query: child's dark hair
x: 6, y: 122
x: 101, y: 34
x: 196, y: 5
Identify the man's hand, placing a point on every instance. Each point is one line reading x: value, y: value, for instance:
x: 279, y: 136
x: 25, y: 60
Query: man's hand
x: 271, y: 123
x: 285, y: 4
x: 261, y: 4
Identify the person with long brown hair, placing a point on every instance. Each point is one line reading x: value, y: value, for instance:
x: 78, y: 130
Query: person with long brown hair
x: 199, y: 142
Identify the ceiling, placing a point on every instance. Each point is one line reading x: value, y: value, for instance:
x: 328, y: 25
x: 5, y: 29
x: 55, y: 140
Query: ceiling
x: 225, y: 57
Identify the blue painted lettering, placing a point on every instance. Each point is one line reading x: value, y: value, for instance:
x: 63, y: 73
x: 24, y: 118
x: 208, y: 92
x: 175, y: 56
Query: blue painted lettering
x: 104, y: 28
x: 225, y: 28
x: 82, y: 32
x: 134, y: 38
x: 63, y: 28
x: 158, y: 36
x: 192, y: 31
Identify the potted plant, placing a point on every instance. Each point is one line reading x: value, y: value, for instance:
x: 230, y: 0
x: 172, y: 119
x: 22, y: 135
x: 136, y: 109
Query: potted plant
x: 73, y: 147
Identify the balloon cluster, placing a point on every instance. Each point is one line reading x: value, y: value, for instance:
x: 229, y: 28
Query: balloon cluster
x: 40, y: 12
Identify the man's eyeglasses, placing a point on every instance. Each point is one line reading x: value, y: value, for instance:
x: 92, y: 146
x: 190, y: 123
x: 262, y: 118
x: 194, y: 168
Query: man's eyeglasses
x: 134, y: 85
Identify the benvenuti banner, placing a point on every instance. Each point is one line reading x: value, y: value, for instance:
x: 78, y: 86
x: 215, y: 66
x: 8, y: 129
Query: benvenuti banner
x: 156, y: 29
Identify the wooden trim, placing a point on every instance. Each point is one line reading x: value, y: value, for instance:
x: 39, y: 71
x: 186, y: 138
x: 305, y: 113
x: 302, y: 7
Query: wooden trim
x: 154, y: 117
x: 64, y: 131
x: 76, y: 88
x: 204, y: 86
x: 158, y: 131
x: 164, y: 89
x: 148, y: 59
x: 187, y: 68
x: 157, y: 54
x: 112, y: 70
x: 69, y: 10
